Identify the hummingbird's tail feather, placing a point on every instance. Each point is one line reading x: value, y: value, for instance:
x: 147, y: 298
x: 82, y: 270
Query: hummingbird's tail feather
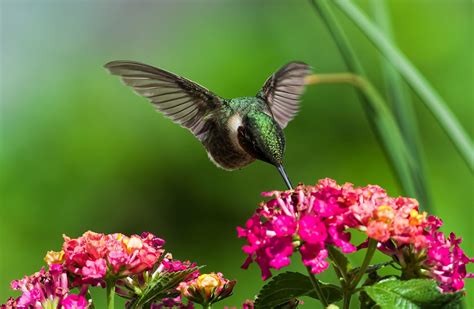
x: 283, y: 174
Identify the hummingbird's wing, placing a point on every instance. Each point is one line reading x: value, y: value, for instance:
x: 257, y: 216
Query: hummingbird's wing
x: 183, y: 101
x: 283, y: 89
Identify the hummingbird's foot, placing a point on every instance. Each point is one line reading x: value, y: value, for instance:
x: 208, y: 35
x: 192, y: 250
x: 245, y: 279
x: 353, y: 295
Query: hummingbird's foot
x: 283, y: 174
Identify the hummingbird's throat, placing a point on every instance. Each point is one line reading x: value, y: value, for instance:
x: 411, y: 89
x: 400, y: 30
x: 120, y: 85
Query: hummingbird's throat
x: 233, y: 124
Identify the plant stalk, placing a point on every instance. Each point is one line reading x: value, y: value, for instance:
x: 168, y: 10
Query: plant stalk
x: 347, y: 299
x: 368, y: 257
x: 342, y: 275
x: 415, y: 79
x: 386, y: 124
x: 110, y: 293
x: 402, y: 106
x: 317, y: 287
x: 388, y: 134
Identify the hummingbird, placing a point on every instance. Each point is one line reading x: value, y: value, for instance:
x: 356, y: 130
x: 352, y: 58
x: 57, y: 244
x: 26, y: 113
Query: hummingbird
x: 235, y: 132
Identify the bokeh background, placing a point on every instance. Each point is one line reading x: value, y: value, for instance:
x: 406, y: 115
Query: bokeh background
x: 79, y: 151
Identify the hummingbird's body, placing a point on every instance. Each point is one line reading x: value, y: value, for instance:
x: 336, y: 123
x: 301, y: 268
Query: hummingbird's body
x: 223, y: 144
x: 235, y: 132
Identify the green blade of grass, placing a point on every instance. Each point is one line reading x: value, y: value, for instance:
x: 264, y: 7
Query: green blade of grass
x: 417, y: 82
x: 401, y: 104
x: 381, y: 119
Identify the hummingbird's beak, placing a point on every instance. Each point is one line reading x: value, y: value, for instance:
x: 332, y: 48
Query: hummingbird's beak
x: 282, y: 172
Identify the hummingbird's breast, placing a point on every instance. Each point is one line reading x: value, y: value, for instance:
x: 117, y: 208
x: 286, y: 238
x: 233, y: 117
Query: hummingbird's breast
x: 222, y: 143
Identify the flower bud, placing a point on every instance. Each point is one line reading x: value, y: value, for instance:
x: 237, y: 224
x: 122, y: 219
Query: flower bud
x: 207, y: 288
x: 53, y: 257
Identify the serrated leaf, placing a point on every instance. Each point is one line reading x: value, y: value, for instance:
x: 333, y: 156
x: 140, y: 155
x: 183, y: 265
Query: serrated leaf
x: 161, y: 286
x: 291, y: 304
x: 411, y: 294
x: 287, y: 286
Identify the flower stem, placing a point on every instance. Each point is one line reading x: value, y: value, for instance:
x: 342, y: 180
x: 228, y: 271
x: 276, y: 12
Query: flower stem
x: 368, y: 257
x: 391, y: 136
x: 317, y: 287
x: 208, y: 306
x: 414, y: 78
x: 380, y: 117
x: 110, y: 293
x: 347, y: 300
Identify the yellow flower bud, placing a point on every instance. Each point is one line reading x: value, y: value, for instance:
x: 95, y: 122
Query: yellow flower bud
x: 53, y: 257
x: 208, y: 282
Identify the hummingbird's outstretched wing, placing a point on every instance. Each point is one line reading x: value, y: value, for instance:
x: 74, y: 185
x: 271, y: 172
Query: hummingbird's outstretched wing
x: 178, y: 98
x: 283, y: 89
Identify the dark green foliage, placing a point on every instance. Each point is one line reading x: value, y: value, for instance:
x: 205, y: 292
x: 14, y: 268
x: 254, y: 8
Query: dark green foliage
x: 287, y: 286
x: 411, y: 294
x: 161, y: 286
x: 340, y: 259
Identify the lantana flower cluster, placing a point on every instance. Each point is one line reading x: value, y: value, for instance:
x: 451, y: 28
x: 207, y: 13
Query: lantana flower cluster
x: 128, y: 264
x: 46, y: 289
x: 94, y: 256
x: 308, y: 219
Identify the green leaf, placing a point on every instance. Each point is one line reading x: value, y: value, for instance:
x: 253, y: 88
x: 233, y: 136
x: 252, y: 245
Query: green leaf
x: 291, y: 304
x: 163, y: 285
x: 339, y: 259
x: 414, y: 78
x: 287, y: 286
x: 411, y: 294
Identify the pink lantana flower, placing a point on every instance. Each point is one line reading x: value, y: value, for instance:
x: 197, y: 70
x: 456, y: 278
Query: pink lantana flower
x: 446, y: 262
x: 10, y: 304
x: 73, y: 301
x: 94, y: 255
x: 47, y: 289
x: 439, y: 258
x: 307, y: 219
x: 94, y: 269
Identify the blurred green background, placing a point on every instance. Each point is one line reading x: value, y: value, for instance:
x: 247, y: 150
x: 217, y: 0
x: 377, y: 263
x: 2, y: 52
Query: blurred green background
x: 79, y: 151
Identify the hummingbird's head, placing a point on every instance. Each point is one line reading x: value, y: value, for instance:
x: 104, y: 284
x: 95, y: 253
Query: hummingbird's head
x: 262, y: 137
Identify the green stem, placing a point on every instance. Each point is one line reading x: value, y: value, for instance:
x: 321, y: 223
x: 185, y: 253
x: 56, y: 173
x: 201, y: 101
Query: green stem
x: 208, y: 306
x: 387, y: 131
x: 347, y: 300
x: 383, y: 119
x: 342, y: 275
x: 368, y: 257
x: 110, y: 293
x: 317, y: 287
x: 402, y: 106
x: 415, y: 79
